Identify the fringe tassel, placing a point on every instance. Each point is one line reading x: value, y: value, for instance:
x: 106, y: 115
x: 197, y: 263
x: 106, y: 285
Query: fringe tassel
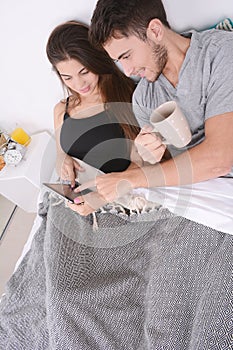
x: 127, y: 205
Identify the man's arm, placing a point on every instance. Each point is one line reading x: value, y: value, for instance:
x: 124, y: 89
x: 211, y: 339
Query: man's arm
x: 210, y: 159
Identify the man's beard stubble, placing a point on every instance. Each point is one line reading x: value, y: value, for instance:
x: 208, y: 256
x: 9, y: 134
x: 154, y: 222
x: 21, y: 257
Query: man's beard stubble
x: 160, y: 55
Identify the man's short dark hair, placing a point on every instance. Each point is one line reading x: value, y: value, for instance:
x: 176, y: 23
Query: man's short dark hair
x: 124, y: 17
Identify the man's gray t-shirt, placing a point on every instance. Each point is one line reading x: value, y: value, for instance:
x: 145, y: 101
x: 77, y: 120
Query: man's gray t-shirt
x: 205, y: 85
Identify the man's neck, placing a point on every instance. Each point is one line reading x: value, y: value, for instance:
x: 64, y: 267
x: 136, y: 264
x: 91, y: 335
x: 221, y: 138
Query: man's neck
x: 177, y: 47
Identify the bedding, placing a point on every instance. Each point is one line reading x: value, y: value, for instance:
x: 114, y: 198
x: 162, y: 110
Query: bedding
x: 209, y: 202
x: 151, y: 280
x: 156, y: 279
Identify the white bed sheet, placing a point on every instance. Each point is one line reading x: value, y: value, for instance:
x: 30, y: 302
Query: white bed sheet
x: 209, y: 202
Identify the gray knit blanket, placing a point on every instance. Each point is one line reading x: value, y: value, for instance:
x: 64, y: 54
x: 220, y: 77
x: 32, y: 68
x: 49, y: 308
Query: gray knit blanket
x: 142, y: 281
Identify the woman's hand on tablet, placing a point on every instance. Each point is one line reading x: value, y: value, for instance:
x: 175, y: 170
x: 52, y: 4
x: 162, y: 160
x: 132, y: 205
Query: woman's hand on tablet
x: 69, y: 169
x: 87, y: 204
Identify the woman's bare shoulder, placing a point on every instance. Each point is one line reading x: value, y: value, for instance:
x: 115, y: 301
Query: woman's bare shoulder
x: 60, y: 106
x: 59, y: 110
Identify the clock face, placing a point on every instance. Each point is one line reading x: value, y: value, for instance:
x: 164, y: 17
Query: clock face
x: 12, y: 156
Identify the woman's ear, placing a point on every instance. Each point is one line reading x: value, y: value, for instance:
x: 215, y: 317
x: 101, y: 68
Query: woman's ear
x: 155, y: 30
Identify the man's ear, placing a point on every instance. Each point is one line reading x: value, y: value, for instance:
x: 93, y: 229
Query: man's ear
x: 155, y: 30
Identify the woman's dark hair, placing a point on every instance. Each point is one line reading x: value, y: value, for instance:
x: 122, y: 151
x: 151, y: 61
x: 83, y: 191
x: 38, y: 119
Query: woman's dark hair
x: 70, y: 41
x: 124, y: 17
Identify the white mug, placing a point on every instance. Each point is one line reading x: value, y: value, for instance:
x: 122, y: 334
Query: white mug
x: 170, y: 122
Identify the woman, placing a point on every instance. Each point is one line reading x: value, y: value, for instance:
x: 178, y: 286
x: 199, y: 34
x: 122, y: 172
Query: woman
x: 89, y: 124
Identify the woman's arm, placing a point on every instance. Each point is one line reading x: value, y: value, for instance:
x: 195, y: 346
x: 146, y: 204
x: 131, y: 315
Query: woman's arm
x: 66, y: 166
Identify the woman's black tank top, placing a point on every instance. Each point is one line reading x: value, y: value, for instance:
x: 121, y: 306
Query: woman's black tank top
x: 98, y: 140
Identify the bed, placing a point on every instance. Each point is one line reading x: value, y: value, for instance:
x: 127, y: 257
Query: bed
x: 159, y: 278
x: 153, y: 280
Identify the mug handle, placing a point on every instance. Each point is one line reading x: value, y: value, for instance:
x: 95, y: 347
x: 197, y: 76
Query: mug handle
x: 163, y: 139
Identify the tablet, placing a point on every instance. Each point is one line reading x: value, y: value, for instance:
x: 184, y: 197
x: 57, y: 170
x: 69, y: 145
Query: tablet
x: 64, y: 191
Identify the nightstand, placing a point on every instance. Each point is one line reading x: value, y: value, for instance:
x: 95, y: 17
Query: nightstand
x: 21, y: 184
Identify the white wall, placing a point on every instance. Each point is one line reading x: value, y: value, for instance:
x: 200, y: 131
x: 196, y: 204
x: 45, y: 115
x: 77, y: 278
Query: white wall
x: 29, y: 89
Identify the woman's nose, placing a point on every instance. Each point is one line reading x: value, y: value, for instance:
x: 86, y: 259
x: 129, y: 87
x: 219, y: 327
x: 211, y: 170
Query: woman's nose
x: 128, y: 70
x: 78, y: 84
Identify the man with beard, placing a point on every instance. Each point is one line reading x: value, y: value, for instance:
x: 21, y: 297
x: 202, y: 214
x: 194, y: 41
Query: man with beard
x: 194, y: 69
x: 184, y: 295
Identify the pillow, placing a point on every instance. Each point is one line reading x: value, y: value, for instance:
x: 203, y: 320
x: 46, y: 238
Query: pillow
x: 225, y: 24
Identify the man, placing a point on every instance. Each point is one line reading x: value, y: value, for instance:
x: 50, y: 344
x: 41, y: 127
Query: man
x: 187, y: 270
x: 195, y: 69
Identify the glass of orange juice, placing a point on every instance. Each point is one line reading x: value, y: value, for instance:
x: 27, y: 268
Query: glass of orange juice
x: 19, y: 135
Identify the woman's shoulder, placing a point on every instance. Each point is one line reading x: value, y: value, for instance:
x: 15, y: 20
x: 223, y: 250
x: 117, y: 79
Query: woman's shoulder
x: 60, y: 106
x: 59, y: 110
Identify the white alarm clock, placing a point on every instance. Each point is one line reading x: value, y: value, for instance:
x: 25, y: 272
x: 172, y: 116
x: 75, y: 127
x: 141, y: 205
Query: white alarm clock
x: 14, y: 153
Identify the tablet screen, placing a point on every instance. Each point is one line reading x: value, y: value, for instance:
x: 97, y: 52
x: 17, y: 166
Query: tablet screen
x: 65, y: 191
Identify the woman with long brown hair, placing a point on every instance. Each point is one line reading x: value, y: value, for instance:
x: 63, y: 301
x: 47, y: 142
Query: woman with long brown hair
x: 94, y: 122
